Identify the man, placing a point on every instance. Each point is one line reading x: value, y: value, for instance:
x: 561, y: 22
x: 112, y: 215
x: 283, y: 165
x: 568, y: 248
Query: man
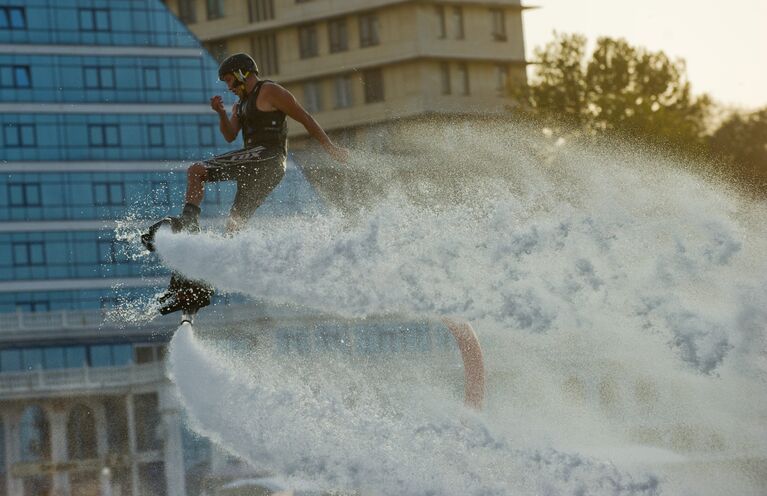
x: 257, y: 168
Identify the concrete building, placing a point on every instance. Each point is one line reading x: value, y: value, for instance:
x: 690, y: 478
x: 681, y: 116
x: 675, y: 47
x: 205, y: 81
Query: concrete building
x: 353, y: 64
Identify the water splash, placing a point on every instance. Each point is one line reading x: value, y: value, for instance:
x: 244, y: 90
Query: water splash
x: 620, y: 299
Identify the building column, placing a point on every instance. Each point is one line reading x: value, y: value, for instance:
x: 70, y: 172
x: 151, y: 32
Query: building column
x: 134, y: 480
x: 57, y: 414
x: 11, y: 421
x: 102, y: 448
x: 173, y: 450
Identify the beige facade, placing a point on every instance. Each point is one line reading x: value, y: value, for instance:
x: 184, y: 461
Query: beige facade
x: 353, y: 63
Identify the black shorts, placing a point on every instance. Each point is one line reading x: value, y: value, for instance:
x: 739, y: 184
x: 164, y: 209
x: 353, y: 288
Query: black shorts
x: 257, y: 172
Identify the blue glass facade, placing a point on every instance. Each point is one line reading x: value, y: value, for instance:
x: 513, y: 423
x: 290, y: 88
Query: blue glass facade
x: 92, y: 22
x: 105, y: 103
x: 95, y: 79
x: 65, y: 357
x: 67, y: 137
x: 101, y: 195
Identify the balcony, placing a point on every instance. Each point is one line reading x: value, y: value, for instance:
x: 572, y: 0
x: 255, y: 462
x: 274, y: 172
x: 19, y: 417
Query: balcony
x: 86, y: 380
x: 24, y: 327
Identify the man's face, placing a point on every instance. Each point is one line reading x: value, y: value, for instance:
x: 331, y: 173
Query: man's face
x: 233, y: 85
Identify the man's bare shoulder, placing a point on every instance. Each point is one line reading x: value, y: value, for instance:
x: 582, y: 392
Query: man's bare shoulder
x: 272, y: 88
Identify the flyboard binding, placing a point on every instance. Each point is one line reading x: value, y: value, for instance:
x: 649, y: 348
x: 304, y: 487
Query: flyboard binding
x: 183, y: 294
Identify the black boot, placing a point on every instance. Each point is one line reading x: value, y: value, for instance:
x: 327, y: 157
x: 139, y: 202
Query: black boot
x: 185, y: 295
x: 188, y: 221
x: 182, y: 294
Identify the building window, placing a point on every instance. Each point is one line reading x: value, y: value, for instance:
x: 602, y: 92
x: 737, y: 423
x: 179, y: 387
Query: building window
x: 160, y: 193
x: 343, y: 91
x: 106, y: 252
x: 15, y: 76
x: 502, y: 79
x: 30, y: 306
x: 313, y: 96
x: 24, y: 195
x: 151, y: 78
x: 156, y: 135
x: 444, y: 69
x: 117, y: 435
x: 372, y: 80
x: 53, y: 357
x: 109, y: 194
x: 110, y: 355
x: 20, y: 135
x: 148, y: 421
x: 215, y: 9
x: 205, y: 132
x: 187, y: 12
x: 458, y: 22
x: 10, y: 359
x: 338, y: 35
x: 260, y: 10
x: 498, y: 19
x: 28, y: 253
x: 369, y: 28
x: 35, y: 437
x: 103, y: 135
x: 307, y: 41
x: 94, y: 20
x: 81, y: 434
x: 111, y: 251
x: 13, y: 18
x: 218, y: 50
x: 99, y: 77
x: 463, y: 78
x: 264, y: 49
x: 441, y: 22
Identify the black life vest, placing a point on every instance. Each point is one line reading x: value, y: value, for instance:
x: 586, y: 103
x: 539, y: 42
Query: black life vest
x: 259, y: 128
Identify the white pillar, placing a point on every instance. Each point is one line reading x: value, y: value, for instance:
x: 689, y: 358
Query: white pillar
x: 11, y: 423
x: 102, y: 441
x: 59, y: 451
x: 173, y: 450
x: 134, y: 481
x: 105, y: 481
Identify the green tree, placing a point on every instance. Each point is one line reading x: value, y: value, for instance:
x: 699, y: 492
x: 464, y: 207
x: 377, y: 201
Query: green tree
x: 741, y: 142
x: 619, y: 88
x: 558, y: 87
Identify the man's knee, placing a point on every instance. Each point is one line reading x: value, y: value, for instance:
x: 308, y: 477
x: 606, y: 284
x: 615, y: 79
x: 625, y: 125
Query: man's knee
x: 197, y: 171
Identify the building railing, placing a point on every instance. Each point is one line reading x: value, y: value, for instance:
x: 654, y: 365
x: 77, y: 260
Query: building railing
x: 99, y: 318
x: 86, y: 378
x: 62, y: 319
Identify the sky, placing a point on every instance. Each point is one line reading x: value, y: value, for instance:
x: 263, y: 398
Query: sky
x: 724, y: 42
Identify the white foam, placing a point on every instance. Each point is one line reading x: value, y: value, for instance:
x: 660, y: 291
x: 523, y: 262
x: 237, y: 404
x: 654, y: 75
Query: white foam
x: 621, y: 302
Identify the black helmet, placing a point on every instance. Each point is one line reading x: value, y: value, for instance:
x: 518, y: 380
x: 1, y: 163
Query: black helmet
x: 239, y: 64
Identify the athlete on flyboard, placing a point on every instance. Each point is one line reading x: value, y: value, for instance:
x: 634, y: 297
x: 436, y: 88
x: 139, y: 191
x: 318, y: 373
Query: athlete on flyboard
x: 257, y: 168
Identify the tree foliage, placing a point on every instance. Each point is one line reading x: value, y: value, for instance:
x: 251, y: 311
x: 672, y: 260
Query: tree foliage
x: 741, y: 142
x: 618, y: 88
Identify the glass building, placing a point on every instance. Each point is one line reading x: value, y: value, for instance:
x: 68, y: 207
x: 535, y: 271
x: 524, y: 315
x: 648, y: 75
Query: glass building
x: 103, y: 105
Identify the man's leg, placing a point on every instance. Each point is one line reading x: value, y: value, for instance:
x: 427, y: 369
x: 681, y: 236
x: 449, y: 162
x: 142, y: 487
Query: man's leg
x: 189, y: 220
x: 252, y: 189
x: 196, y: 175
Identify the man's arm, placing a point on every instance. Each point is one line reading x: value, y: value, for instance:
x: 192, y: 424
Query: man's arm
x: 283, y: 100
x: 228, y: 127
